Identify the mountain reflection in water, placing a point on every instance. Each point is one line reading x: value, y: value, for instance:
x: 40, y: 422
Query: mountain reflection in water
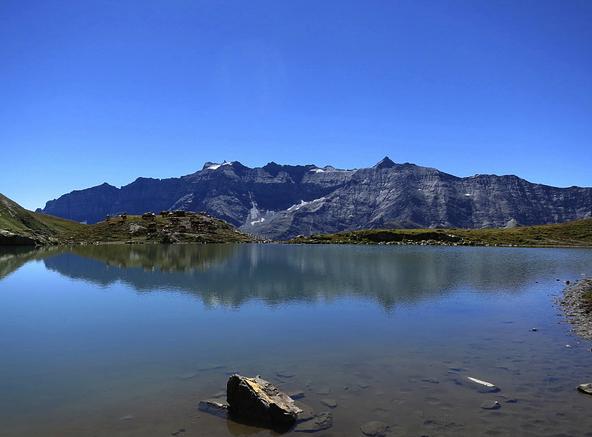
x: 233, y: 274
x: 94, y: 334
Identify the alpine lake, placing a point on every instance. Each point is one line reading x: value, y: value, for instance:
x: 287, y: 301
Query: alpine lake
x: 125, y: 340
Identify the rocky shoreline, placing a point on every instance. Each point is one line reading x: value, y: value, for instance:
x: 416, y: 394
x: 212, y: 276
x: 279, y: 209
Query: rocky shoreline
x: 577, y: 306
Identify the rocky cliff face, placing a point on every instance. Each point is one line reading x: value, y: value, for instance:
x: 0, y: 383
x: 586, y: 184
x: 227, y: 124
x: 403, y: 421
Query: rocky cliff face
x: 281, y: 201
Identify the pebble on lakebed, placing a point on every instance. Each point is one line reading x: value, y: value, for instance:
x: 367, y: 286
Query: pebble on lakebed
x: 375, y: 429
x: 491, y: 405
x: 577, y: 306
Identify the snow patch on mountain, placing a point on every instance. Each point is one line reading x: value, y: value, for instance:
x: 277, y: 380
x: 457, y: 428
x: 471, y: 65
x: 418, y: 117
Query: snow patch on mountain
x: 215, y: 165
x: 302, y: 203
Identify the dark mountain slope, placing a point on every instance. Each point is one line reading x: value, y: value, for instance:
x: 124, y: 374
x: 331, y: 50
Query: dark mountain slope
x: 281, y: 201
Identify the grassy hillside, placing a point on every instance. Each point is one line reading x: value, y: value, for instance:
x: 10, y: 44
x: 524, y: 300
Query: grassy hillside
x: 22, y: 227
x: 14, y: 218
x: 575, y: 233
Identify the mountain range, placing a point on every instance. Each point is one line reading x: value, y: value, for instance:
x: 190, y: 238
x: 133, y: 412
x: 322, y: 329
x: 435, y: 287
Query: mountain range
x: 282, y: 201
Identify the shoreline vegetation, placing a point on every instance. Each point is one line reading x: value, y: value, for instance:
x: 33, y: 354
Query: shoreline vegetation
x: 576, y: 233
x: 19, y: 226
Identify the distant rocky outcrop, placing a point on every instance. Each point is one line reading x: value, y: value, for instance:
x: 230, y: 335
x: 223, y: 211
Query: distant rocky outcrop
x: 19, y: 227
x: 167, y: 227
x: 282, y: 201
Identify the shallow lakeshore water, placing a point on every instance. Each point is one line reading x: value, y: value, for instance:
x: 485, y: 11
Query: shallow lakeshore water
x: 125, y: 340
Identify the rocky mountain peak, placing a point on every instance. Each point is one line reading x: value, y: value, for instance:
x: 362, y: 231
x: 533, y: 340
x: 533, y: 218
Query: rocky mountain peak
x: 385, y: 162
x: 223, y: 165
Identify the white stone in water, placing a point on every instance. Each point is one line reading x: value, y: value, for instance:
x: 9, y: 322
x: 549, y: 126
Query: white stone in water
x: 585, y: 388
x: 484, y: 386
x: 481, y: 382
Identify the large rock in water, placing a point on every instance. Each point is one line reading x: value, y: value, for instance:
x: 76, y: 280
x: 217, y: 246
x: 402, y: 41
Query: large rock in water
x: 257, y: 401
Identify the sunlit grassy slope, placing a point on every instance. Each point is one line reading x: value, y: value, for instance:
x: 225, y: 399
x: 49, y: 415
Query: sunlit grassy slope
x: 575, y: 233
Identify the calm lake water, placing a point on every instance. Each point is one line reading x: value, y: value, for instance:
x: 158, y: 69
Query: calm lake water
x: 125, y: 340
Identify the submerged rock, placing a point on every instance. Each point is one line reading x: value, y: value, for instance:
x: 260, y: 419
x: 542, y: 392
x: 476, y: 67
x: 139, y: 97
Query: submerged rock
x: 374, y: 428
x: 296, y: 394
x: 491, y: 405
x: 257, y: 401
x: 319, y: 422
x: 430, y: 380
x: 585, y: 388
x: 331, y: 403
x: 214, y: 407
x: 306, y: 412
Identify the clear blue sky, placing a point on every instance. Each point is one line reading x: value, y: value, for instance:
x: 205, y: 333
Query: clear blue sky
x: 95, y: 91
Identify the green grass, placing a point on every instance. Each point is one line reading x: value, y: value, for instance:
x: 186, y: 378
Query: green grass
x: 576, y: 233
x: 14, y: 218
x: 38, y: 228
